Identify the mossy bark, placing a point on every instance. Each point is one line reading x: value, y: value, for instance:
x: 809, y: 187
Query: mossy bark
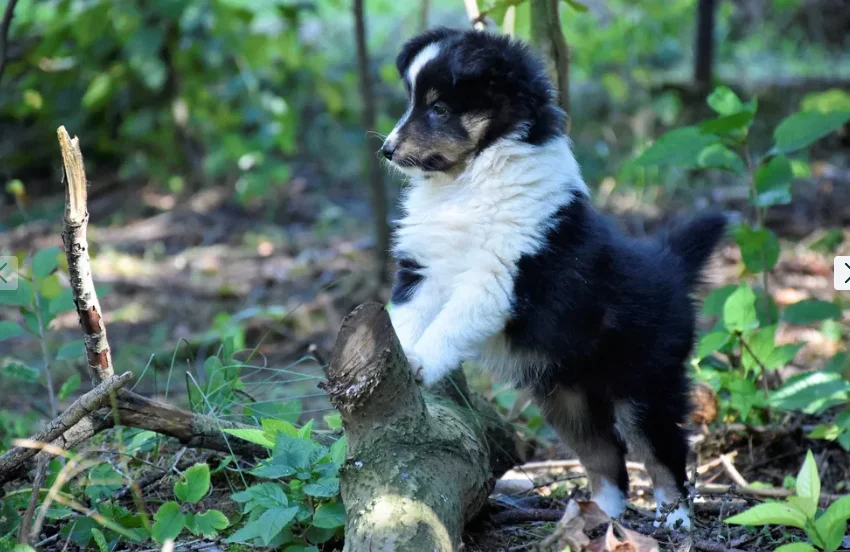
x: 419, y: 465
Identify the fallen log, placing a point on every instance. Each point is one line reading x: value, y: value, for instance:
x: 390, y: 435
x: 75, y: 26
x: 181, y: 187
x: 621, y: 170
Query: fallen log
x: 419, y: 465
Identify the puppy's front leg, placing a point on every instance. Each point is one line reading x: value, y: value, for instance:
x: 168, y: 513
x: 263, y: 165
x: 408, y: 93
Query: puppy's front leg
x: 477, y: 310
x: 412, y: 312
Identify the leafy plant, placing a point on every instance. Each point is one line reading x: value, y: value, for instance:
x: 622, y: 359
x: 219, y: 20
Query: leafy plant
x: 825, y: 529
x: 299, y: 504
x: 747, y: 315
x: 191, y: 488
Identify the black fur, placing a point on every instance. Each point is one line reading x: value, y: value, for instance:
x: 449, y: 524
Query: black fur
x: 407, y: 278
x: 616, y: 317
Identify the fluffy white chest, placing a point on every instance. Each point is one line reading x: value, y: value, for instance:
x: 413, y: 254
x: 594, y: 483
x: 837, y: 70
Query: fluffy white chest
x: 468, y: 234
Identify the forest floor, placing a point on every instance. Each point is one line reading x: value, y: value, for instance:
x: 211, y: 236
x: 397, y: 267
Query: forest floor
x: 184, y: 274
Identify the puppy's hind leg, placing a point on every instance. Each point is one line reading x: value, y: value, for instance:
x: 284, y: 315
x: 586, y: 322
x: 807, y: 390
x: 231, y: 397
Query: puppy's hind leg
x: 586, y: 423
x: 662, y: 445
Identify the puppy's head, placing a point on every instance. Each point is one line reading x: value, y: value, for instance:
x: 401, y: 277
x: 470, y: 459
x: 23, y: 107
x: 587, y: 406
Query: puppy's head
x: 466, y: 90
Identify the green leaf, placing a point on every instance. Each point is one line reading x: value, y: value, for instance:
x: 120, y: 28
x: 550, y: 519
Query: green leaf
x: 832, y: 524
x: 718, y: 156
x: 251, y: 531
x: 329, y: 516
x: 9, y: 517
x: 759, y: 248
x: 293, y: 451
x: 256, y: 436
x: 10, y: 329
x: 773, y: 182
x: 796, y: 547
x: 678, y: 147
x: 809, y: 311
x: 770, y: 513
x: 327, y: 487
x: 99, y: 540
x: 20, y: 371
x: 73, y: 350
x: 45, y: 261
x: 265, y: 495
x: 802, y: 129
x: 833, y: 99
x: 334, y: 421
x: 724, y: 101
x: 208, y: 523
x: 275, y: 520
x: 808, y: 485
x: 300, y: 548
x: 21, y: 297
x: 98, y: 90
x: 69, y: 387
x: 811, y: 392
x: 337, y: 452
x: 714, y: 301
x: 711, y: 342
x: 782, y: 355
x: 759, y: 347
x: 272, y: 427
x: 168, y: 522
x: 63, y: 302
x: 194, y: 485
x: 736, y: 124
x: 739, y: 310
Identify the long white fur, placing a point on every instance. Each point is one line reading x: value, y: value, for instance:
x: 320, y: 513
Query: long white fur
x: 469, y: 232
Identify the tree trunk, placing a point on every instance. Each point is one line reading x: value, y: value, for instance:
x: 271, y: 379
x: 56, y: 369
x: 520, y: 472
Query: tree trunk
x: 419, y: 465
x: 704, y: 49
x: 548, y: 38
x: 373, y: 169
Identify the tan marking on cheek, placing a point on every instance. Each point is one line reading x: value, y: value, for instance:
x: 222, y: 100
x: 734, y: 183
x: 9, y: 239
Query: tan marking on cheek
x: 431, y: 96
x: 475, y: 125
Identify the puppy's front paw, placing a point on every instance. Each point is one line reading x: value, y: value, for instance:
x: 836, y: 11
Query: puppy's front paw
x: 415, y: 364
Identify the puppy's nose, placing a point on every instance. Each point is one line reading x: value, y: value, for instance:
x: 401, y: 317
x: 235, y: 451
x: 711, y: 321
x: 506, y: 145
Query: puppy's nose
x: 388, y: 149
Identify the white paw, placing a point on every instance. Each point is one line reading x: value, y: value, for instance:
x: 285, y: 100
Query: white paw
x: 673, y: 519
x: 610, y: 499
x: 415, y: 363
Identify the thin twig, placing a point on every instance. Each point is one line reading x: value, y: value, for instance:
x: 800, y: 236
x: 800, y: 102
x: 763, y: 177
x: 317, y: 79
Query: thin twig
x: 25, y: 535
x: 4, y: 35
x: 511, y: 517
x: 733, y: 472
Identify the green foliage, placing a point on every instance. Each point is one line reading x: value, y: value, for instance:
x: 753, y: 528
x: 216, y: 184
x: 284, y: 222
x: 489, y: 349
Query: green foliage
x: 300, y: 506
x: 734, y: 355
x: 825, y: 531
x: 194, y: 484
x: 170, y: 520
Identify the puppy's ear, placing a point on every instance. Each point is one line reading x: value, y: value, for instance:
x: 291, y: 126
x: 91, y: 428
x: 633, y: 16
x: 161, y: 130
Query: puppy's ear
x: 418, y: 43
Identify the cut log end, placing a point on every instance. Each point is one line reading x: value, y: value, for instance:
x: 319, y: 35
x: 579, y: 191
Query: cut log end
x: 368, y: 377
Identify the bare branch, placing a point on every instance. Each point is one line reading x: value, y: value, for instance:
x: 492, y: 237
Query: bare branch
x: 74, y: 232
x: 4, y: 35
x: 81, y: 408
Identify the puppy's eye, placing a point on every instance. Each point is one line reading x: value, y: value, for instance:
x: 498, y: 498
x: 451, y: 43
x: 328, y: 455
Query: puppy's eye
x: 439, y: 109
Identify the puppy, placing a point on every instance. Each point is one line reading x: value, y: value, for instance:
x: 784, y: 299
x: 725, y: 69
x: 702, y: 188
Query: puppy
x: 504, y: 261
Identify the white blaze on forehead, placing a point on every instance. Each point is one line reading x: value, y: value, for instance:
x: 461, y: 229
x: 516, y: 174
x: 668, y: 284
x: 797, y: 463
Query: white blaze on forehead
x: 425, y: 55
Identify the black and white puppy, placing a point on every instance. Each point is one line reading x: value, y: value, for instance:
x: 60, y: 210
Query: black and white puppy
x: 503, y: 260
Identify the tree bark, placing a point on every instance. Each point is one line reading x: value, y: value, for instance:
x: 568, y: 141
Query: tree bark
x: 548, y: 38
x: 419, y: 465
x: 704, y: 49
x: 373, y: 170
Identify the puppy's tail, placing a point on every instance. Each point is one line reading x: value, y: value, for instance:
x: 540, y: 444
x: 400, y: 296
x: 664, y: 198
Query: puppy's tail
x: 694, y: 241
